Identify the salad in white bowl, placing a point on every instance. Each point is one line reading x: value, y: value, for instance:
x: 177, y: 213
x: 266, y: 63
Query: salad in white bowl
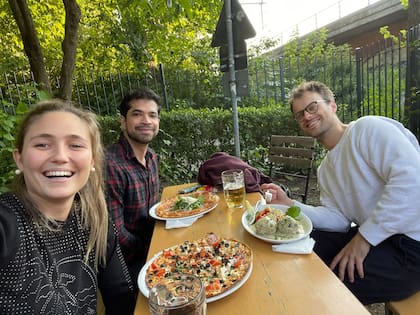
x: 276, y: 223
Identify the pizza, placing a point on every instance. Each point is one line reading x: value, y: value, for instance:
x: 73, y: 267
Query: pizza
x: 219, y: 262
x: 185, y: 205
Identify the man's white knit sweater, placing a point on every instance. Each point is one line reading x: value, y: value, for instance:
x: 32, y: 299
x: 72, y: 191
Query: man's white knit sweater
x: 370, y: 178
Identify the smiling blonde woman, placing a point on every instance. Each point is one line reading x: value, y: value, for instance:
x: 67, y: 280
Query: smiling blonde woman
x: 58, y: 247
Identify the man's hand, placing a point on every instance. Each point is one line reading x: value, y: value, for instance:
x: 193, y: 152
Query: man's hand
x: 351, y: 257
x: 278, y: 195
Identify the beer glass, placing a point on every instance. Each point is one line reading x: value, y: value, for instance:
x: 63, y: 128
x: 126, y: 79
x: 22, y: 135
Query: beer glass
x: 178, y: 294
x: 234, y: 188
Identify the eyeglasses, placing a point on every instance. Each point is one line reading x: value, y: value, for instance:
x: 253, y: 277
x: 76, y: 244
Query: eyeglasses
x: 311, y: 108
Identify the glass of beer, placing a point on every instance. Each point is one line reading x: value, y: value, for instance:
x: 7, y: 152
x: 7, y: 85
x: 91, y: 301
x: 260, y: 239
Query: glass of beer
x: 178, y: 294
x: 234, y: 188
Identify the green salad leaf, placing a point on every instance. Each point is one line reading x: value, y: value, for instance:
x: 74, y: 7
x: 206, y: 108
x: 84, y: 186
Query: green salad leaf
x: 188, y: 203
x: 293, y: 211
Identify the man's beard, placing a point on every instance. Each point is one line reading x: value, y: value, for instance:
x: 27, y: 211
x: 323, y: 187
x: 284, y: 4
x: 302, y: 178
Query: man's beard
x: 140, y: 138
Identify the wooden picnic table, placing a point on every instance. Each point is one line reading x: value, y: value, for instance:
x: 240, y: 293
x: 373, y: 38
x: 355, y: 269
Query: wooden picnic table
x: 279, y: 283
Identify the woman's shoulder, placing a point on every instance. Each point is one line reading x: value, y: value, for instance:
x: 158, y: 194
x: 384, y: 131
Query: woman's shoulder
x: 9, y: 236
x: 9, y: 204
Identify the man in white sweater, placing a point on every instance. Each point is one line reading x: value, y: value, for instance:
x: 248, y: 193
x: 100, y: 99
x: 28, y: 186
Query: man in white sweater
x: 367, y: 228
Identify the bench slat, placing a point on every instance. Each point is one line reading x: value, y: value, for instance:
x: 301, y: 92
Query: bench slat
x: 409, y: 306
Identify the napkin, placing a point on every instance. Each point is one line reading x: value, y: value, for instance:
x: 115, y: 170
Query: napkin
x: 303, y: 246
x: 268, y: 196
x: 180, y: 223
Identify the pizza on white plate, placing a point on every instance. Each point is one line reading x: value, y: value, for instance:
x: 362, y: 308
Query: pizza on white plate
x: 219, y: 262
x: 185, y: 205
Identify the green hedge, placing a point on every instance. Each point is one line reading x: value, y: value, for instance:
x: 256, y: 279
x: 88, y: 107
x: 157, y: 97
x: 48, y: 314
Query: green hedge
x: 188, y: 137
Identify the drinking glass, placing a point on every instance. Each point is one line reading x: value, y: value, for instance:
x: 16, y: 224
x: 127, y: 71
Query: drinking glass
x: 178, y: 294
x: 234, y: 188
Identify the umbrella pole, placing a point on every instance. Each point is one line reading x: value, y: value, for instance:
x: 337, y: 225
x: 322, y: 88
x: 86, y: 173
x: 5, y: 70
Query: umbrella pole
x: 232, y: 78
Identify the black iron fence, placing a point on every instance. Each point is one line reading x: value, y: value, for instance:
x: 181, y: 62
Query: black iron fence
x: 368, y: 80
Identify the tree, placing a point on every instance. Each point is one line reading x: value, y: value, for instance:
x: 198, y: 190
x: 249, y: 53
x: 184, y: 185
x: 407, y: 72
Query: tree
x: 178, y: 34
x: 34, y: 52
x: 32, y: 47
x: 69, y: 48
x: 104, y: 35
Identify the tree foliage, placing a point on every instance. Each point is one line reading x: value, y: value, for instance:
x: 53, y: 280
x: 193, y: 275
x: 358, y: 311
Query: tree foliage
x: 179, y: 35
x: 33, y: 50
x: 111, y: 34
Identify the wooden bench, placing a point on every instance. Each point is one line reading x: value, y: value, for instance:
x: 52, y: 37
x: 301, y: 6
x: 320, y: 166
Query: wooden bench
x: 409, y: 306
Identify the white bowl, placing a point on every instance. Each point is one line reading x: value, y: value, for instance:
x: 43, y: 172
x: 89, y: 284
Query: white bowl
x: 302, y: 218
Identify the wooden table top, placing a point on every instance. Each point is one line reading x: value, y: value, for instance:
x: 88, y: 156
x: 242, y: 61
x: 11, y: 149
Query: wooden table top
x: 279, y: 283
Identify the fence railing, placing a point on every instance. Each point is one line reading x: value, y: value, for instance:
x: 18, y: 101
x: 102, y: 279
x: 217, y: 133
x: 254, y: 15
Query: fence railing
x: 368, y: 80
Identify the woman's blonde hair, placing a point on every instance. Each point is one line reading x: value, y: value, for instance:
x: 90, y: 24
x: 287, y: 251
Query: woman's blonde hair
x: 93, y: 209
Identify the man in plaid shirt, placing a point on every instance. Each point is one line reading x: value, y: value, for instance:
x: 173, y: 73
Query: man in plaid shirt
x: 132, y: 176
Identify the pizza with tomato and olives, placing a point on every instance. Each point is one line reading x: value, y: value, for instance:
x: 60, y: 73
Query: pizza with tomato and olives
x: 219, y: 262
x: 181, y: 206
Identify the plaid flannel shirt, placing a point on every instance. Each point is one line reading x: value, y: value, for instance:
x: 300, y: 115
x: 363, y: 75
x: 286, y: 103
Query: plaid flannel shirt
x: 132, y: 189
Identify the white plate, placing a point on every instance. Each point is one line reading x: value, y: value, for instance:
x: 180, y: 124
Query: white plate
x: 153, y: 214
x: 141, y: 281
x: 302, y: 218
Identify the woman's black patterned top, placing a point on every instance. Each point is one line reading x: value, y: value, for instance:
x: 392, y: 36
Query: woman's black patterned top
x: 44, y: 271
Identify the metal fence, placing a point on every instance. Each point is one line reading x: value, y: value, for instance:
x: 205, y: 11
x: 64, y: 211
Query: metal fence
x: 368, y: 80
x: 102, y: 92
